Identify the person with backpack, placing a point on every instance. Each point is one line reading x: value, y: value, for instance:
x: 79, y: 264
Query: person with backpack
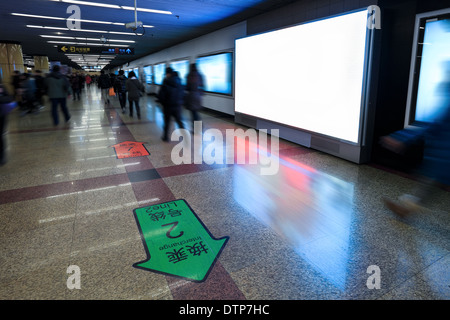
x: 135, y: 89
x: 120, y: 88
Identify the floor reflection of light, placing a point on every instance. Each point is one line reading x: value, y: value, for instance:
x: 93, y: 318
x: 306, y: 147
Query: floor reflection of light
x: 125, y: 206
x: 310, y: 209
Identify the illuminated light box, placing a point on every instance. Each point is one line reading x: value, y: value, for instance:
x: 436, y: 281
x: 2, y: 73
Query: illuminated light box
x: 182, y: 67
x: 217, y: 72
x: 308, y: 77
x: 148, y: 74
x: 429, y: 64
x: 159, y: 73
x: 136, y: 72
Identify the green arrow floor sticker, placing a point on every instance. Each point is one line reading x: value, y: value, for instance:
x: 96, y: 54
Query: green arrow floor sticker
x: 176, y: 241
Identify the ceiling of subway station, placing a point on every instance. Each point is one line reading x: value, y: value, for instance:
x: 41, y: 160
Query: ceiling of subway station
x: 43, y: 25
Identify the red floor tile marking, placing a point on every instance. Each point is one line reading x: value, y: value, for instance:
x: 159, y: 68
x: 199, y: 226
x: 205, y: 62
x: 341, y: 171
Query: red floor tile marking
x: 130, y: 149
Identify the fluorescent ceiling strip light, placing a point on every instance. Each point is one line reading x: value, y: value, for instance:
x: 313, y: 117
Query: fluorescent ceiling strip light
x: 81, y: 20
x: 36, y: 16
x: 56, y: 37
x: 83, y: 56
x: 80, y: 30
x: 146, y: 10
x: 127, y: 33
x: 86, y: 39
x: 43, y: 27
x: 58, y: 28
x: 95, y: 4
x: 89, y: 44
x: 89, y: 30
x: 108, y: 40
x: 113, y: 6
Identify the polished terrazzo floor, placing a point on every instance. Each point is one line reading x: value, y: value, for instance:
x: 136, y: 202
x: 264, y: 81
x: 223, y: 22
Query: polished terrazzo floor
x: 309, y: 232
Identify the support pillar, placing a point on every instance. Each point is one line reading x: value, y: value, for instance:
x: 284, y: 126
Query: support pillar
x: 11, y: 59
x: 41, y: 63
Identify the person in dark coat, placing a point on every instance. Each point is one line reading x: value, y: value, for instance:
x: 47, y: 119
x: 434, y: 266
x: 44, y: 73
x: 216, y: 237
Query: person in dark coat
x: 58, y: 88
x: 194, y: 88
x: 29, y: 94
x: 76, y: 87
x: 16, y: 80
x: 120, y: 87
x: 104, y: 83
x: 134, y: 88
x: 40, y: 87
x: 171, y: 97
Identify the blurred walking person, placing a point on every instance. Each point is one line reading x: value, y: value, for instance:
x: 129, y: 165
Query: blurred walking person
x: 58, y: 88
x: 104, y: 83
x: 88, y: 81
x: 29, y: 94
x: 40, y: 88
x: 76, y: 87
x: 194, y: 88
x: 171, y: 97
x: 120, y: 87
x: 434, y: 170
x: 135, y: 89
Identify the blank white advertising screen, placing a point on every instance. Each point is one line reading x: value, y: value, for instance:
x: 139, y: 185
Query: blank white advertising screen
x: 308, y: 76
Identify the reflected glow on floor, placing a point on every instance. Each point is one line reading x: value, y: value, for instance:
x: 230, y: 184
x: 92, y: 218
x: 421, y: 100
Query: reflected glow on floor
x: 310, y: 209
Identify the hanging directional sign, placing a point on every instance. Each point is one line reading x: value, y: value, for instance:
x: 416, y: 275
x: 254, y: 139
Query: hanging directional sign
x: 95, y: 50
x: 130, y: 149
x: 176, y: 241
x: 112, y: 50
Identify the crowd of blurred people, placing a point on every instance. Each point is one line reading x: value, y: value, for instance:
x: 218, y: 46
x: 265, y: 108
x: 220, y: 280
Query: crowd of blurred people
x: 29, y: 89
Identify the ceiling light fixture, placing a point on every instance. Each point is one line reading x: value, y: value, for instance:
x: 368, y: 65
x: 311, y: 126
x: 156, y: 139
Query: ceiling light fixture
x: 56, y: 37
x: 80, y: 30
x: 81, y: 20
x: 89, y: 44
x: 95, y: 4
x: 113, y: 6
x: 146, y: 10
x: 86, y: 39
x: 43, y: 27
x: 36, y: 16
